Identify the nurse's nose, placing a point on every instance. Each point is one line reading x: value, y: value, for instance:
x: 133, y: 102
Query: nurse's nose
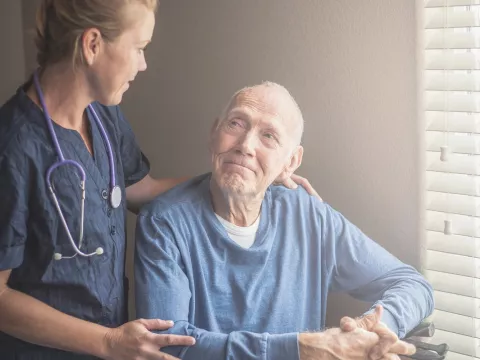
x: 142, y: 66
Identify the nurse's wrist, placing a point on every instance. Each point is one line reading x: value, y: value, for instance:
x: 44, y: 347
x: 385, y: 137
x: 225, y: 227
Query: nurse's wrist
x: 99, y: 343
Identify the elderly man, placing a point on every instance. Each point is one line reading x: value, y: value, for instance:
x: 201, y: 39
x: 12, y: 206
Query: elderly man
x: 246, y: 267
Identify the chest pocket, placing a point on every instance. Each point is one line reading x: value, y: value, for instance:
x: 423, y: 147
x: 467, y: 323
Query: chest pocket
x: 65, y: 181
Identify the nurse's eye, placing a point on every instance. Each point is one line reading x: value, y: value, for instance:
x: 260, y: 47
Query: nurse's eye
x: 142, y: 49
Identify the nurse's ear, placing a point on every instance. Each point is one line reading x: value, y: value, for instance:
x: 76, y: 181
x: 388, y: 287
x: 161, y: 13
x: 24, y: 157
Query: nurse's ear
x: 91, y: 42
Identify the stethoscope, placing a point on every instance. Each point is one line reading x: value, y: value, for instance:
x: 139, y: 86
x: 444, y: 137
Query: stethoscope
x: 115, y: 192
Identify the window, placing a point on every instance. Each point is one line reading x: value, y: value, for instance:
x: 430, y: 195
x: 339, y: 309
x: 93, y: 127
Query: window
x: 452, y: 118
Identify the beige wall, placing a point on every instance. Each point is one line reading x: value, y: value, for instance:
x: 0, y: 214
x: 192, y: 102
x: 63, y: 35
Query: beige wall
x: 12, y: 59
x: 29, y: 8
x: 351, y: 66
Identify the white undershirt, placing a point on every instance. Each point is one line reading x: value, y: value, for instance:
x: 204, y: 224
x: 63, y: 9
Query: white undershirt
x: 242, y: 235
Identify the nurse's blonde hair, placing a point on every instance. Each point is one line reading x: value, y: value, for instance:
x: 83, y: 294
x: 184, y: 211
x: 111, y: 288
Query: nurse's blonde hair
x: 61, y: 24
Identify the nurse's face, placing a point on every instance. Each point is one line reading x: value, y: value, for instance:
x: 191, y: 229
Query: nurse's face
x: 118, y: 62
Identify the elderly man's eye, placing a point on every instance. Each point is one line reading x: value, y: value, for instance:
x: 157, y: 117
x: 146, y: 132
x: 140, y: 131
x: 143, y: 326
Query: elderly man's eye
x: 269, y: 136
x: 234, y: 123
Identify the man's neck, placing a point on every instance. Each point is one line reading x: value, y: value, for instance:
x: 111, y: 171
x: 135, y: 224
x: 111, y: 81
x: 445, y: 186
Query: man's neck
x: 237, y: 209
x: 65, y: 93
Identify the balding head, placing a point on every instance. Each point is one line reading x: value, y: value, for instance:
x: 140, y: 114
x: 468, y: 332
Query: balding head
x: 278, y: 96
x: 256, y: 140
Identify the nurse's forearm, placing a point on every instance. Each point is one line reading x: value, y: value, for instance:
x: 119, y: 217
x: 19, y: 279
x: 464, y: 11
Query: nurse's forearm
x: 28, y: 319
x: 147, y: 189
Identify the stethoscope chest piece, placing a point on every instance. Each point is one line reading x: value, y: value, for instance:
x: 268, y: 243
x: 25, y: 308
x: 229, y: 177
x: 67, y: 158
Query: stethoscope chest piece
x: 116, y: 197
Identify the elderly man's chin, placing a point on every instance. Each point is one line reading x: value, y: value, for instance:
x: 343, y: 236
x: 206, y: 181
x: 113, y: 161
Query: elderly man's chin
x: 236, y: 183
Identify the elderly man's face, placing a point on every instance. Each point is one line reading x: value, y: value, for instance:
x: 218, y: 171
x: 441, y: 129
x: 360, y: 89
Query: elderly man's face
x: 256, y: 142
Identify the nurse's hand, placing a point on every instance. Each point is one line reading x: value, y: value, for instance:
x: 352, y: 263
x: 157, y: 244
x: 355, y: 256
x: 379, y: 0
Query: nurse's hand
x: 135, y: 341
x: 295, y: 180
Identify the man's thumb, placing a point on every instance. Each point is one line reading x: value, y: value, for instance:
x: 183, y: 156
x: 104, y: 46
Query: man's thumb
x: 348, y: 324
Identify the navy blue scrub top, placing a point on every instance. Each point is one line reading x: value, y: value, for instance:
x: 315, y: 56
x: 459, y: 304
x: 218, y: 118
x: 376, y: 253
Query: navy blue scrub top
x: 93, y: 288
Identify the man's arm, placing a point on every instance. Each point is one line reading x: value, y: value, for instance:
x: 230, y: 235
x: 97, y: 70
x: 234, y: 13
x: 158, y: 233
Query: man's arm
x: 368, y: 272
x: 162, y: 287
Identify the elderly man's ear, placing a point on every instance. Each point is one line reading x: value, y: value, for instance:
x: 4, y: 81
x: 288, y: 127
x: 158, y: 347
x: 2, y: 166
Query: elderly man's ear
x: 291, y: 166
x: 213, y: 129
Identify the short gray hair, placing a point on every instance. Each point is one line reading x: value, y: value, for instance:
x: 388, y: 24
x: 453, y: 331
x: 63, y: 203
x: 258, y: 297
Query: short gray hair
x: 271, y: 85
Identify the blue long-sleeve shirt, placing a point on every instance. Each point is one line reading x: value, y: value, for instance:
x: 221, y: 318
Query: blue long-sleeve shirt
x: 251, y: 303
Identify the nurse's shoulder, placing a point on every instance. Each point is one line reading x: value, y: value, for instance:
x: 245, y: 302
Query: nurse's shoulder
x: 22, y: 130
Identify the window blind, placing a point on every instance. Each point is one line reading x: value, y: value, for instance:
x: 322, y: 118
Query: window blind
x: 452, y: 118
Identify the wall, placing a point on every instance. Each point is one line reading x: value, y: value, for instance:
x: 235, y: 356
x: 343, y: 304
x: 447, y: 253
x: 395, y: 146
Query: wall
x: 29, y: 8
x: 351, y: 65
x: 11, y: 38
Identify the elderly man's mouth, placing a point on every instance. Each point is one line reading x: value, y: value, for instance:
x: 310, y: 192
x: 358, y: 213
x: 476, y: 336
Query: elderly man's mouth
x: 238, y: 166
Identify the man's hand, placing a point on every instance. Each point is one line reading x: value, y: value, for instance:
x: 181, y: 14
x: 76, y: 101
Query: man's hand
x: 295, y: 180
x: 387, y: 338
x: 134, y: 340
x: 335, y: 344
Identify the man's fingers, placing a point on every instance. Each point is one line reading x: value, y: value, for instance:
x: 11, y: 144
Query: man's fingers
x: 388, y: 343
x: 385, y: 346
x: 403, y: 348
x: 391, y: 357
x: 348, y: 324
x: 370, y: 321
x: 156, y: 324
x: 172, y: 340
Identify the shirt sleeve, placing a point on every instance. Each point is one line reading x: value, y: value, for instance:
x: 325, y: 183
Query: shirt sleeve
x: 162, y: 290
x: 135, y: 164
x: 14, y: 195
x: 368, y: 272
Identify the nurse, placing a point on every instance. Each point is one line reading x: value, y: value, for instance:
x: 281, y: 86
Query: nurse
x: 70, y: 167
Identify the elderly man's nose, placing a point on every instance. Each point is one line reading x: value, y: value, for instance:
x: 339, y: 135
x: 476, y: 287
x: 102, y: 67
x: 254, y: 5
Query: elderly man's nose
x: 247, y: 144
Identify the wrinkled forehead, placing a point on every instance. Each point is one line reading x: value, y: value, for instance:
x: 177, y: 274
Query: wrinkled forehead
x: 266, y: 103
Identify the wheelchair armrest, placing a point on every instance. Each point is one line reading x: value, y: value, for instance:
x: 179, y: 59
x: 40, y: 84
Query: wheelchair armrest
x: 425, y: 351
x: 424, y: 329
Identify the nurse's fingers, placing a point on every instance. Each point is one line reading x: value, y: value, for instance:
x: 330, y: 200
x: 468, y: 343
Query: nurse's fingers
x: 156, y: 324
x: 171, y: 340
x: 157, y: 355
